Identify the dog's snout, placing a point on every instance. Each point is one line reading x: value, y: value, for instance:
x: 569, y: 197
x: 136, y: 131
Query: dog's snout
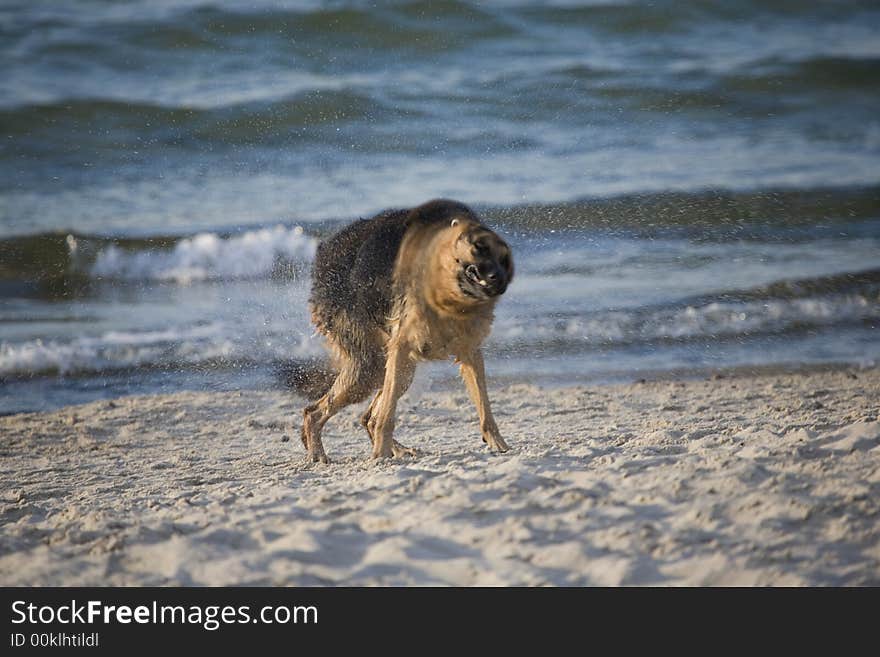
x: 496, y: 279
x: 489, y: 276
x: 497, y: 275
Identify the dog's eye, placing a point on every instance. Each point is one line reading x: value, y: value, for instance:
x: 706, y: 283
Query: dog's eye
x: 481, y: 249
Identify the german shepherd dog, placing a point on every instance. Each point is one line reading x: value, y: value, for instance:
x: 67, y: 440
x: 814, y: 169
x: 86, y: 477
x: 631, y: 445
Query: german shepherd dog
x: 402, y: 287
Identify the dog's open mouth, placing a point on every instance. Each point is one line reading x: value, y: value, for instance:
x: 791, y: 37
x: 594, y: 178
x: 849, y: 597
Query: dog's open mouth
x: 473, y: 285
x: 470, y: 282
x: 473, y: 275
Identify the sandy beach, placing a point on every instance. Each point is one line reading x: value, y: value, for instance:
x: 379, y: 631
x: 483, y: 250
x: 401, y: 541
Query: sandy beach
x: 747, y: 479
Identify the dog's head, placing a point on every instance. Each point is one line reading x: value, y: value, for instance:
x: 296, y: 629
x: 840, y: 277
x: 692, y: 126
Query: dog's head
x: 483, y: 261
x: 473, y: 263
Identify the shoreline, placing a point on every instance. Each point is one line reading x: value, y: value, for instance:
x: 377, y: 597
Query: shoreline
x: 741, y: 479
x: 442, y: 378
x: 689, y: 374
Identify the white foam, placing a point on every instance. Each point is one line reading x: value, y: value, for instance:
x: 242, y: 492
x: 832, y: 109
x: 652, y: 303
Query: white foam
x: 115, y: 350
x: 712, y: 320
x: 207, y: 256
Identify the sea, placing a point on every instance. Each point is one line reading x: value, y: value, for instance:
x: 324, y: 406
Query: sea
x: 688, y: 186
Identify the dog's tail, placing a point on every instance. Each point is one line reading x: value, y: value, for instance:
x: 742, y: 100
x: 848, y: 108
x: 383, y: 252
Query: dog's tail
x: 310, y: 378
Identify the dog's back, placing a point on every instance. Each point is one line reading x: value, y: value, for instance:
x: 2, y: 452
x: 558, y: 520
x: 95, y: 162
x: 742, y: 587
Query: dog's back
x: 352, y: 281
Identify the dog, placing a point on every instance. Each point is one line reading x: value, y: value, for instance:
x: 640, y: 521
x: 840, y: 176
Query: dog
x: 402, y: 287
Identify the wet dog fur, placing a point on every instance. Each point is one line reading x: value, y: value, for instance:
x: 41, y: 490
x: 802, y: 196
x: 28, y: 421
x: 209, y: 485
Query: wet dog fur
x: 402, y: 287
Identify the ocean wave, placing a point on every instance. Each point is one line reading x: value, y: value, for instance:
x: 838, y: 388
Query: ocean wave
x: 829, y: 73
x: 750, y: 88
x: 628, y: 18
x: 786, y: 215
x: 394, y: 27
x: 137, y: 124
x: 789, y: 309
x: 780, y: 308
x: 65, y: 113
x: 758, y: 214
x: 208, y: 256
x: 113, y: 350
x: 210, y: 26
x: 218, y: 346
x: 182, y: 347
x: 861, y: 284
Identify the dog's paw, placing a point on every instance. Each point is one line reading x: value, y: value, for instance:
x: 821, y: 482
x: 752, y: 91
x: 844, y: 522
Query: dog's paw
x: 382, y: 453
x: 496, y: 443
x: 402, y: 450
x: 391, y: 449
x: 317, y: 457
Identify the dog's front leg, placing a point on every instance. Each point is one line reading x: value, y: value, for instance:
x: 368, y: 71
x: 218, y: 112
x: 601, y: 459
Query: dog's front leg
x: 473, y: 372
x: 399, y: 370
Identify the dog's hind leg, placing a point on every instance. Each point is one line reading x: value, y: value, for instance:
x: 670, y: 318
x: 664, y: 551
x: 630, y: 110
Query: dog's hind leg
x: 348, y: 388
x: 365, y: 418
x: 474, y: 374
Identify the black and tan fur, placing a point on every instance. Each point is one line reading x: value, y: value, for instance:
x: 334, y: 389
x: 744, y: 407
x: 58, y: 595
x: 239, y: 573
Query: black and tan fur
x: 402, y: 287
